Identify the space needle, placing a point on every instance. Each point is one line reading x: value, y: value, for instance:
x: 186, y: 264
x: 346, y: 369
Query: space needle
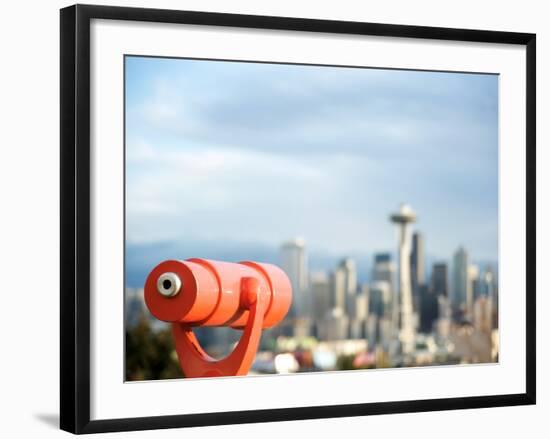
x: 403, y: 318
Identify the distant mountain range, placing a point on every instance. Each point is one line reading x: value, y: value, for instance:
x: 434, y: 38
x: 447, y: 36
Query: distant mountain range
x: 141, y: 258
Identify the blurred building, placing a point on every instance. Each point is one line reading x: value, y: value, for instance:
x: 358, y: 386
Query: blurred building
x: 470, y: 345
x: 321, y: 295
x: 386, y: 333
x: 488, y: 281
x: 335, y: 326
x: 294, y: 264
x: 429, y: 309
x: 444, y: 320
x: 358, y: 322
x: 489, y: 288
x: 461, y: 293
x: 338, y: 290
x: 380, y: 299
x: 489, y: 285
x: 440, y: 280
x: 384, y: 270
x: 371, y: 331
x: 475, y: 278
x: 362, y: 303
x: 418, y: 270
x: 483, y: 312
x: 378, y: 321
x: 345, y: 286
x: 473, y: 289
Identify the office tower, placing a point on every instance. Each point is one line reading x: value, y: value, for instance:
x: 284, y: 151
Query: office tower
x: 488, y: 283
x: 429, y: 309
x: 473, y: 289
x: 483, y: 311
x: 335, y: 326
x: 338, y: 290
x: 294, y: 264
x: 371, y: 330
x: 380, y: 299
x: 418, y: 272
x: 384, y: 271
x: 440, y: 282
x: 489, y: 288
x: 443, y: 322
x: 358, y: 322
x: 461, y: 291
x: 402, y: 219
x: 321, y: 296
x: 362, y: 303
x: 346, y: 286
x: 386, y: 334
x: 474, y: 274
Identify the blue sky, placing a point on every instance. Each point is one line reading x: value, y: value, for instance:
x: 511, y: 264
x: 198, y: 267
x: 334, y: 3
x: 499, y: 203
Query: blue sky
x: 249, y: 154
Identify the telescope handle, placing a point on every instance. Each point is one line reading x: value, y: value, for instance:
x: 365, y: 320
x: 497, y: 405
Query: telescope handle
x: 196, y: 363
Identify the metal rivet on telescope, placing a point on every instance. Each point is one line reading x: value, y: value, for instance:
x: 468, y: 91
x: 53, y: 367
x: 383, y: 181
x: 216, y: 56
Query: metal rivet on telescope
x: 168, y: 284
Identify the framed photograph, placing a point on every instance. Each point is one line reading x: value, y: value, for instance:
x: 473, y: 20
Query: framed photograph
x: 275, y: 218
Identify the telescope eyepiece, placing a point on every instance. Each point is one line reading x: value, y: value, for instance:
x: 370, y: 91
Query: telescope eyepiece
x: 168, y: 284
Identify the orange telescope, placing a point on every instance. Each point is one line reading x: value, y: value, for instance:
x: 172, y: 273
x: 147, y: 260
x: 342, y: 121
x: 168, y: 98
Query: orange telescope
x: 198, y: 292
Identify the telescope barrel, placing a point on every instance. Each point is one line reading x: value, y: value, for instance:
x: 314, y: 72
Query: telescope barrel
x: 201, y: 292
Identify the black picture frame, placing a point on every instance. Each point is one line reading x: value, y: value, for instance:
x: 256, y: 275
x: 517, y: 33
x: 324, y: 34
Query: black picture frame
x: 75, y: 217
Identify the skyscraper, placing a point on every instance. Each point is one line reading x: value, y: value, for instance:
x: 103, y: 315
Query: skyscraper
x: 294, y: 264
x: 428, y: 309
x: 402, y: 219
x: 362, y: 301
x: 344, y: 288
x: 320, y: 296
x: 439, y: 288
x: 335, y: 326
x: 380, y: 301
x: 489, y: 288
x: 488, y: 283
x: 349, y: 284
x: 418, y: 273
x: 461, y: 288
x: 473, y: 289
x: 384, y: 270
x: 440, y: 280
x: 338, y: 290
x: 482, y: 314
x: 358, y: 322
x: 443, y: 322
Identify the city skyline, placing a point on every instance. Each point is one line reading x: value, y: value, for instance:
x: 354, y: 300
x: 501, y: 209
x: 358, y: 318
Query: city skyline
x: 398, y: 312
x: 394, y: 135
x: 141, y: 257
x: 400, y: 317
x: 389, y: 321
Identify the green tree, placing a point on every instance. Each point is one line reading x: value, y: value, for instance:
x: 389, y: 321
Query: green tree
x: 150, y: 355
